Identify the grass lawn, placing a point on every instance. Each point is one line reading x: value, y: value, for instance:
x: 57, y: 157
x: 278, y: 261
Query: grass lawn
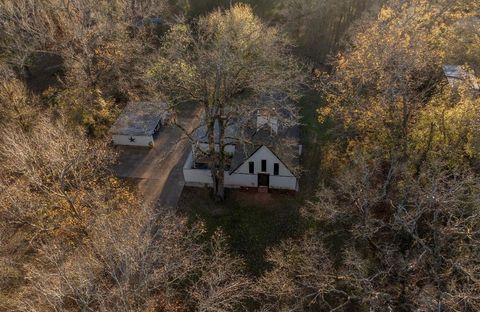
x: 253, y: 221
x: 314, y: 138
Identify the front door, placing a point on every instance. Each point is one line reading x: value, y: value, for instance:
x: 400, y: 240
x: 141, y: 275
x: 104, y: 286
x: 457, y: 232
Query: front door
x: 264, y: 179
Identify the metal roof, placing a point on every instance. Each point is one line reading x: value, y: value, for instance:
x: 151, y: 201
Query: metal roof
x: 231, y: 133
x: 140, y: 118
x: 284, y: 144
x: 457, y: 74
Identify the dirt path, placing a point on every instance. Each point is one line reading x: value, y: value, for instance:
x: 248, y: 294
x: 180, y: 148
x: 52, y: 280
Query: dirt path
x: 159, y: 169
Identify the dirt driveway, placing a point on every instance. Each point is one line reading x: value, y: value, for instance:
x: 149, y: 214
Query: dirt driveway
x: 159, y: 169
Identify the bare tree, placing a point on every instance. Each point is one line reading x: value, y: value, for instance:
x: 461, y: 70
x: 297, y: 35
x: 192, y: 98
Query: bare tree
x: 222, y: 286
x: 137, y: 260
x: 53, y: 161
x: 17, y: 105
x: 301, y: 277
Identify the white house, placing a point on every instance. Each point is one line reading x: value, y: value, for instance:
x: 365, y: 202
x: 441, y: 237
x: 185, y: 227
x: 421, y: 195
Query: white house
x: 138, y: 123
x: 268, y: 161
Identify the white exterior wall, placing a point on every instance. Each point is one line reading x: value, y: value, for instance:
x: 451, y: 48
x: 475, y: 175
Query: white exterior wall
x: 139, y: 140
x: 195, y: 177
x: 283, y: 183
x: 203, y: 177
x: 264, y: 153
x: 242, y: 178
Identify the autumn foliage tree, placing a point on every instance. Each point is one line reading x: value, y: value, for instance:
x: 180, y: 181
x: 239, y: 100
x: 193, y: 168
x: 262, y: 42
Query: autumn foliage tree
x: 403, y: 193
x: 225, y: 63
x: 95, y: 51
x: 408, y: 174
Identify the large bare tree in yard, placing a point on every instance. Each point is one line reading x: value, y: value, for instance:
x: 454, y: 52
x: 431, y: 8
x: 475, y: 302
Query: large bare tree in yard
x: 227, y: 62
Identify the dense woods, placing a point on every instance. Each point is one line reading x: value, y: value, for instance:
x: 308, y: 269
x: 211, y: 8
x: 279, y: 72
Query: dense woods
x: 393, y: 221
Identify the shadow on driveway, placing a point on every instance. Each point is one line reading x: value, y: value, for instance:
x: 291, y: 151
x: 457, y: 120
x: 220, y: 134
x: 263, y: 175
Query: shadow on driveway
x: 159, y: 169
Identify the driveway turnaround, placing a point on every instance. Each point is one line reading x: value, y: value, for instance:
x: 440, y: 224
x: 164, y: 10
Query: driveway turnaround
x: 159, y: 169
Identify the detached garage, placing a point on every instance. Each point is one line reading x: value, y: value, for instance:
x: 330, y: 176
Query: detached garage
x: 138, y: 123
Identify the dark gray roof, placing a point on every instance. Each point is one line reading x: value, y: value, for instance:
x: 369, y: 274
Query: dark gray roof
x: 231, y: 133
x: 154, y: 20
x: 140, y: 118
x: 457, y: 74
x: 284, y: 144
x: 242, y: 153
x: 248, y: 139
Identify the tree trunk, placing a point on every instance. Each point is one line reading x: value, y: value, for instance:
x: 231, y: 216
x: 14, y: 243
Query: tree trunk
x: 218, y: 177
x: 219, y: 180
x: 217, y: 160
x: 220, y: 193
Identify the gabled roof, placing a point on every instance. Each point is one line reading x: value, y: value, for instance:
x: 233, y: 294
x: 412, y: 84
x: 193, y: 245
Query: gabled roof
x: 284, y: 145
x: 244, y: 153
x: 140, y: 118
x: 458, y: 75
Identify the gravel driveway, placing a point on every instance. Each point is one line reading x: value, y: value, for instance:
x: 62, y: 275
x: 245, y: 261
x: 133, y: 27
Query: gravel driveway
x: 159, y: 169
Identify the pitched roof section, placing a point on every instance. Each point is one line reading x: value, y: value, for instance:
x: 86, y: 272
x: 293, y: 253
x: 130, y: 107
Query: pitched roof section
x: 231, y: 133
x: 248, y: 135
x: 140, y: 118
x: 284, y: 144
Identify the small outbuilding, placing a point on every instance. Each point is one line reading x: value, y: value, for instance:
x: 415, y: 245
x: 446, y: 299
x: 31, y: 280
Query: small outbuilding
x: 139, y: 122
x: 461, y: 75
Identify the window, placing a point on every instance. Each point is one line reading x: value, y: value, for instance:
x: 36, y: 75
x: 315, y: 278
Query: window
x: 276, y: 169
x: 264, y: 165
x: 251, y: 167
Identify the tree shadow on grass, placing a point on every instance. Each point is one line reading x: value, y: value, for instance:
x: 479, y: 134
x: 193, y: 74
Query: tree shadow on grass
x: 252, y: 221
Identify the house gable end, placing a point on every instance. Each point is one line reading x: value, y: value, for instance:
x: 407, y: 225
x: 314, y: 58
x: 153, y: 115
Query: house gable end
x: 263, y: 153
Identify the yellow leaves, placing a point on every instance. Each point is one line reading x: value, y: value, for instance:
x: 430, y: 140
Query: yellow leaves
x: 324, y: 113
x: 407, y: 40
x: 178, y: 38
x: 385, y: 14
x: 110, y: 51
x: 449, y: 123
x: 114, y: 181
x: 341, y: 61
x: 383, y: 80
x: 236, y: 29
x: 87, y: 107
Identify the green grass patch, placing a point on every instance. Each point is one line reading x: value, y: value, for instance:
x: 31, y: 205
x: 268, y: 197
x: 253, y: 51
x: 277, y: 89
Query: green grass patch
x: 255, y: 222
x: 315, y: 136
